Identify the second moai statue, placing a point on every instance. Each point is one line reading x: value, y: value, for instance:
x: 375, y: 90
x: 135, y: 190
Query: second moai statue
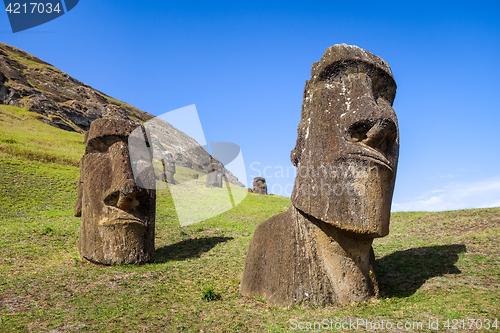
x: 117, y: 210
x: 319, y: 251
x: 259, y: 185
x: 215, y: 174
x: 168, y: 168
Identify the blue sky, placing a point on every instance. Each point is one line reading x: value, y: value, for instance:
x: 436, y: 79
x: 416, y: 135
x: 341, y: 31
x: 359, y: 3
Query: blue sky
x: 244, y: 65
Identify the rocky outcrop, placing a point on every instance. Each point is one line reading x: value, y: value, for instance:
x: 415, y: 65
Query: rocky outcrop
x: 185, y: 150
x: 62, y: 101
x: 66, y: 103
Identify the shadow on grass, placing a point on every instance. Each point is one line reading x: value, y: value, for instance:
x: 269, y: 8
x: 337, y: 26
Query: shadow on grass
x: 189, y: 248
x: 401, y: 273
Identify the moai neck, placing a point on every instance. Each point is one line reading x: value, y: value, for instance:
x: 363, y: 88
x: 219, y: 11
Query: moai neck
x: 345, y: 258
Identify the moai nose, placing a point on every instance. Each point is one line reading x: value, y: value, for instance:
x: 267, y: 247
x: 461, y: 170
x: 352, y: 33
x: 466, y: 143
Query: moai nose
x: 382, y: 135
x: 126, y: 197
x: 128, y: 202
x: 379, y: 134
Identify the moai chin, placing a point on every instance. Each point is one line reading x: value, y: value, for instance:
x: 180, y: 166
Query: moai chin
x: 320, y: 250
x: 117, y: 211
x: 259, y: 185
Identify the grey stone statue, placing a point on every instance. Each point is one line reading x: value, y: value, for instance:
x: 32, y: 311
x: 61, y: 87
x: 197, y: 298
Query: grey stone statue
x: 117, y: 210
x: 215, y: 174
x: 259, y: 185
x: 168, y: 168
x: 320, y: 250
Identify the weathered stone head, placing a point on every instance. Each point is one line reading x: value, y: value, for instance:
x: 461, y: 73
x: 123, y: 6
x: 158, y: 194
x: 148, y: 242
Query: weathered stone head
x: 117, y: 210
x: 168, y: 168
x: 348, y: 142
x: 320, y: 250
x: 259, y: 185
x: 215, y: 174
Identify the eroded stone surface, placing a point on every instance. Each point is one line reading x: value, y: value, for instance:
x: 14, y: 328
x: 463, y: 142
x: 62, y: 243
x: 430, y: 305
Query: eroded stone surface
x: 319, y: 251
x: 168, y: 168
x: 215, y: 174
x: 259, y: 185
x: 118, y: 213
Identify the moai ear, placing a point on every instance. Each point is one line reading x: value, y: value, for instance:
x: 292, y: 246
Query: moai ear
x: 296, y: 153
x: 79, y: 197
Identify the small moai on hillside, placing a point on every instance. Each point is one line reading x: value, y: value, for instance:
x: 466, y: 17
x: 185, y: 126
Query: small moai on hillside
x: 319, y: 251
x: 168, y: 168
x: 117, y: 210
x: 259, y: 185
x: 215, y: 174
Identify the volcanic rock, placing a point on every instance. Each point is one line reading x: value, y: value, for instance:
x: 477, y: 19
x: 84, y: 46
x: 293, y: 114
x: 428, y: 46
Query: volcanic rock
x: 320, y: 250
x: 117, y: 210
x: 259, y: 185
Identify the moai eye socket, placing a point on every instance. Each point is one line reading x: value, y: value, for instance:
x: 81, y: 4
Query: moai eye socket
x: 102, y: 144
x: 379, y: 134
x: 357, y: 131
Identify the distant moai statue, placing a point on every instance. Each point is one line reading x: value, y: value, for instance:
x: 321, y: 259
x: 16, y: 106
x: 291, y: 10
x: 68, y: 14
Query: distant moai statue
x: 168, y: 168
x: 117, y: 210
x: 320, y: 250
x: 259, y: 185
x: 215, y: 174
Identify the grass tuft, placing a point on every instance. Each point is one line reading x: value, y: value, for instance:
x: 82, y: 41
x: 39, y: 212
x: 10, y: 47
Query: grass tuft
x: 208, y: 294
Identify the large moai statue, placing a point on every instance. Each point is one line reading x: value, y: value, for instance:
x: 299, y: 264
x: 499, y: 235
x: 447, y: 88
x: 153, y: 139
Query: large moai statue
x: 117, y: 210
x: 259, y: 185
x: 320, y: 250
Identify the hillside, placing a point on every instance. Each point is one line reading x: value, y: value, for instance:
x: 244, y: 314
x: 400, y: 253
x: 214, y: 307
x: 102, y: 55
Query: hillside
x: 57, y: 99
x: 60, y: 100
x: 432, y: 266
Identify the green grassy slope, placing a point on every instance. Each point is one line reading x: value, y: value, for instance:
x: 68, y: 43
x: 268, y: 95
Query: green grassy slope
x: 434, y: 266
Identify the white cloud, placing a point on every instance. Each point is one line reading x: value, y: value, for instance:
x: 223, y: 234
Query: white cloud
x: 456, y: 195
